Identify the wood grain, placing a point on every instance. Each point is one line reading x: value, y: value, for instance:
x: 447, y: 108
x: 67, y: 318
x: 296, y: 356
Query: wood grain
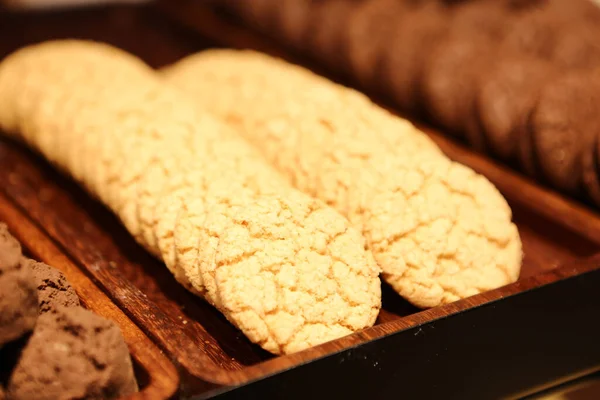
x: 558, y: 235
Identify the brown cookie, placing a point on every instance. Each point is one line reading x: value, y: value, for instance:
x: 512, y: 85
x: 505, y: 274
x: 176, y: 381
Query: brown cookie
x: 368, y: 32
x: 80, y: 354
x: 291, y: 20
x: 401, y: 64
x: 18, y: 295
x: 450, y: 80
x: 53, y: 288
x: 563, y: 122
x: 256, y: 13
x: 483, y: 17
x: 328, y: 20
x: 533, y: 32
x: 577, y: 47
x: 591, y: 178
x: 506, y: 93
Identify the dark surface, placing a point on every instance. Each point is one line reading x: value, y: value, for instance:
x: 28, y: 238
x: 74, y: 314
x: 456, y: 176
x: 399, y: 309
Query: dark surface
x: 207, y: 350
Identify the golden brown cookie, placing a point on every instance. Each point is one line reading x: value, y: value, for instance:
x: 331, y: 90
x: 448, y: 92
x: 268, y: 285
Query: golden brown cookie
x: 438, y: 230
x: 195, y: 195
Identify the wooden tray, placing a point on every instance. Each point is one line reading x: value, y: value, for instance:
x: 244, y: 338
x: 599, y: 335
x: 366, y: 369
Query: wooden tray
x: 503, y: 340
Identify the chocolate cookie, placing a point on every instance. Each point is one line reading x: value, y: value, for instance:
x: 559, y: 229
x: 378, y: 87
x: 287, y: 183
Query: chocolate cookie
x: 53, y: 288
x: 577, y: 47
x: 482, y: 17
x: 291, y: 19
x: 450, y: 80
x: 256, y: 13
x: 401, y: 64
x: 328, y: 20
x: 368, y: 32
x: 506, y: 93
x: 563, y: 122
x: 82, y: 355
x: 591, y: 178
x: 532, y: 32
x: 18, y: 295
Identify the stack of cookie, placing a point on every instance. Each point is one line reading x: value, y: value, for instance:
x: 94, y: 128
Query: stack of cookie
x: 515, y: 78
x: 50, y: 347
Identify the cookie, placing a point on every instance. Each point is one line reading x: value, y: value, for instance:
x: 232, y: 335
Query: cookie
x: 450, y: 78
x: 182, y: 182
x: 481, y: 18
x: 506, y: 94
x: 591, y: 178
x: 18, y: 295
x: 366, y: 33
x: 83, y: 355
x: 328, y: 22
x: 256, y: 13
x: 291, y: 20
x: 533, y: 32
x: 577, y: 47
x: 53, y: 288
x: 401, y: 64
x: 563, y: 122
x: 438, y: 230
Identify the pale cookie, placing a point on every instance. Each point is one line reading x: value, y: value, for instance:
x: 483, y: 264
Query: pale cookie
x: 194, y: 194
x: 439, y: 231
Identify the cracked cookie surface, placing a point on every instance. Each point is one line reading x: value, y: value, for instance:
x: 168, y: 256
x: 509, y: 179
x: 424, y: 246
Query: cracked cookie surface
x: 194, y: 194
x: 439, y: 231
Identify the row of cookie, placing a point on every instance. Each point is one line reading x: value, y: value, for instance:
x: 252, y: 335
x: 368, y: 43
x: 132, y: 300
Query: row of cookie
x: 509, y: 76
x: 284, y: 268
x: 46, y: 338
x: 438, y: 230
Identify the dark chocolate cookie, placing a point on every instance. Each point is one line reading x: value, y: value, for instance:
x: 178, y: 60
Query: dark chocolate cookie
x: 291, y: 20
x: 482, y: 17
x: 328, y: 20
x: 591, y: 179
x: 53, y: 288
x: 81, y: 354
x: 401, y: 64
x: 256, y: 13
x: 505, y: 95
x: 368, y: 32
x: 577, y: 47
x: 533, y: 33
x: 563, y: 122
x: 450, y: 80
x: 18, y: 294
